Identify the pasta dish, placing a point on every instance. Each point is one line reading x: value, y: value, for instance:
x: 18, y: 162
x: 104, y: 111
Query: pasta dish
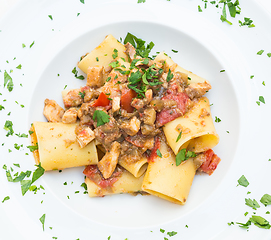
x: 141, y: 124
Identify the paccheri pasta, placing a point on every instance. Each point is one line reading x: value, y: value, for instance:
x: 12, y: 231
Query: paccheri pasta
x: 140, y: 124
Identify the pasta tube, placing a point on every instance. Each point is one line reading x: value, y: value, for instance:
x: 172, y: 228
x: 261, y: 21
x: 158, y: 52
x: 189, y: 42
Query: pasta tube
x: 58, y: 148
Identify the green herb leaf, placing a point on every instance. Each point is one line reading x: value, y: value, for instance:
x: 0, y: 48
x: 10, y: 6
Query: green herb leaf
x: 37, y: 173
x: 260, y: 52
x: 252, y: 203
x: 260, y: 222
x: 8, y: 81
x: 33, y: 148
x: 75, y: 72
x: 82, y: 1
x: 31, y: 45
x: 25, y: 185
x: 115, y: 54
x: 159, y: 154
x: 266, y: 199
x: 179, y: 136
x: 217, y: 120
x: 180, y: 157
x: 261, y: 99
x: 9, y: 127
x: 5, y: 199
x: 199, y: 8
x: 171, y: 233
x: 42, y: 218
x: 141, y: 1
x: 101, y: 116
x: 82, y: 95
x: 243, y: 181
x: 169, y: 75
x: 50, y: 16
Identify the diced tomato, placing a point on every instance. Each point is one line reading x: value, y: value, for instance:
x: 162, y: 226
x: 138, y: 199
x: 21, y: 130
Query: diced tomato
x: 93, y: 173
x: 168, y: 115
x: 210, y: 163
x: 153, y: 154
x: 127, y: 96
x: 102, y: 101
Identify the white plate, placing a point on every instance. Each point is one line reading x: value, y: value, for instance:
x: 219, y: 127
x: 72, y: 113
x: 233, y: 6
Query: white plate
x: 205, y: 46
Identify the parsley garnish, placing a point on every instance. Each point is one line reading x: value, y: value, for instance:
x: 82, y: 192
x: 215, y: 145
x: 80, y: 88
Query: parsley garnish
x: 139, y: 45
x: 266, y: 199
x: 31, y: 45
x: 101, y: 116
x: 169, y: 75
x: 268, y: 54
x: 243, y: 181
x: 217, y: 120
x: 115, y: 54
x: 260, y: 52
x: 141, y: 1
x: 159, y: 154
x: 42, y: 218
x: 75, y: 72
x: 199, y: 8
x: 2, y: 107
x: 171, y: 233
x: 82, y: 1
x: 82, y: 94
x: 252, y: 203
x: 50, y: 16
x: 19, y: 66
x: 5, y: 199
x: 179, y: 136
x: 33, y: 148
x: 8, y: 81
x: 183, y: 155
x: 9, y: 127
x: 247, y: 22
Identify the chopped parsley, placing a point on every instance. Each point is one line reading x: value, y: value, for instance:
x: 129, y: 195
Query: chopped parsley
x: 169, y: 75
x: 82, y: 94
x: 252, y: 76
x: 141, y: 1
x: 171, y: 234
x: 5, y: 199
x: 2, y: 107
x: 42, y: 220
x: 175, y: 51
x: 243, y: 181
x: 162, y: 230
x: 19, y: 66
x: 50, y: 16
x: 252, y: 203
x: 101, y: 116
x: 8, y: 81
x: 183, y: 155
x: 139, y: 44
x: 199, y: 8
x: 261, y: 100
x: 9, y: 127
x: 217, y: 120
x: 268, y: 54
x: 179, y: 136
x: 260, y: 52
x: 266, y: 199
x: 159, y: 154
x: 82, y: 1
x: 247, y: 22
x: 31, y: 45
x: 33, y: 148
x: 75, y: 72
x: 115, y: 54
